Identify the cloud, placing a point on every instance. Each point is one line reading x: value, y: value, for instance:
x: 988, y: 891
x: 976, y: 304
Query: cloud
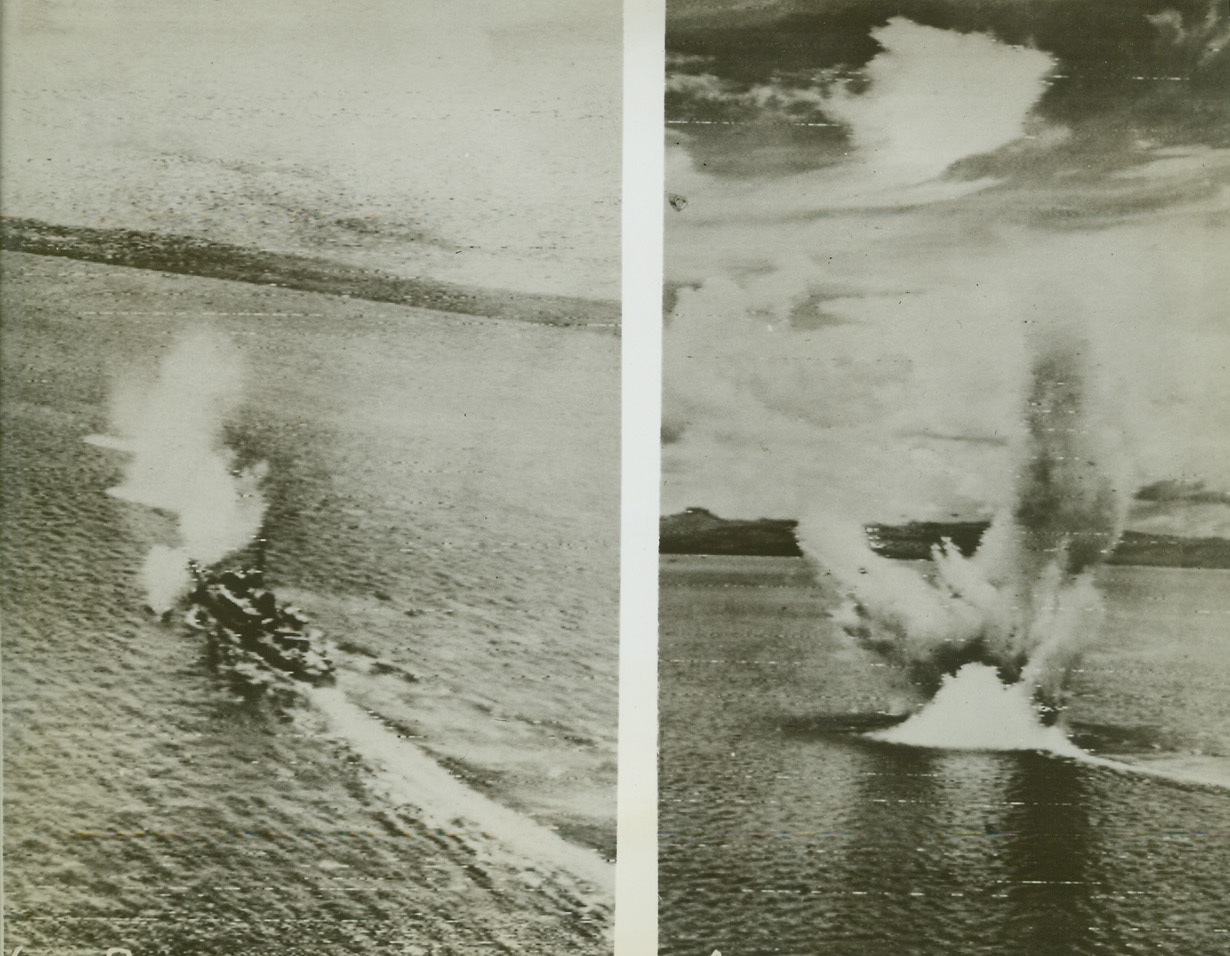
x: 1172, y: 489
x: 933, y: 98
x: 1184, y: 506
x: 936, y: 97
x: 942, y: 355
x: 1203, y: 48
x: 692, y: 94
x: 875, y: 357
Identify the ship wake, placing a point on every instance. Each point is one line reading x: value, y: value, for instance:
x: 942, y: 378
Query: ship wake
x: 408, y: 775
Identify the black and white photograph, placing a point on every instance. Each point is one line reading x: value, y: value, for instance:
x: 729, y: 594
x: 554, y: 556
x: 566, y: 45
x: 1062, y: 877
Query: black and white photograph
x: 945, y: 521
x: 310, y: 461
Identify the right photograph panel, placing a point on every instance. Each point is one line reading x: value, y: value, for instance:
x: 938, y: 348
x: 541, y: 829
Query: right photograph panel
x: 945, y: 576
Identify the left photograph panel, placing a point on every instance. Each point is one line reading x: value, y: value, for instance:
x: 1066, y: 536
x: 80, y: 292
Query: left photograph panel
x: 310, y: 467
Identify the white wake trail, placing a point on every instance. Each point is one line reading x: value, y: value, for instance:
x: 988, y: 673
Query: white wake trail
x: 409, y: 776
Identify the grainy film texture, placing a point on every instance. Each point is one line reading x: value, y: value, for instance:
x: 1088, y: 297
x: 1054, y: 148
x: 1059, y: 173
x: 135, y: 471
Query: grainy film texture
x: 946, y: 487
x: 310, y: 467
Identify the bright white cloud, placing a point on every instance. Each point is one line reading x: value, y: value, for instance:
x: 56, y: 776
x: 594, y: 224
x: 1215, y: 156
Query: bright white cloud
x: 874, y: 362
x: 935, y: 97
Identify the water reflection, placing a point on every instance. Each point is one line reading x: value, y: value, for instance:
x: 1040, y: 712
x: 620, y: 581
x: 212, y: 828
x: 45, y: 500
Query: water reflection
x: 950, y: 847
x: 1049, y: 856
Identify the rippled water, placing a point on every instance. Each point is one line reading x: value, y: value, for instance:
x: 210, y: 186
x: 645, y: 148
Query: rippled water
x: 478, y: 145
x: 787, y: 831
x: 443, y: 500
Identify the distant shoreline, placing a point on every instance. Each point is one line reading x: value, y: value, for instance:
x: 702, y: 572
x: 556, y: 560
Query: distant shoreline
x: 699, y: 531
x: 189, y: 255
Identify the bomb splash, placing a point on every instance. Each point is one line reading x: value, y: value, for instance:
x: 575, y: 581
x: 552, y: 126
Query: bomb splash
x: 171, y: 428
x: 1026, y: 603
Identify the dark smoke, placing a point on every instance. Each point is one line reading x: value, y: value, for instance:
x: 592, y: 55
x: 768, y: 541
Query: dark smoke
x: 1067, y: 509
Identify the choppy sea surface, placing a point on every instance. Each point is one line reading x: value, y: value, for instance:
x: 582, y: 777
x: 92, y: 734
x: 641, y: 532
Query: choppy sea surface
x: 442, y: 498
x: 787, y: 830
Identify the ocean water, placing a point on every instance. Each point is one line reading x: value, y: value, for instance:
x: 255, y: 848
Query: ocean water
x: 442, y: 498
x: 478, y: 145
x: 786, y: 829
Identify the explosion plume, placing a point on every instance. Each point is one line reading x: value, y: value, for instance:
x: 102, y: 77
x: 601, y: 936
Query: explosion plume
x: 1026, y: 602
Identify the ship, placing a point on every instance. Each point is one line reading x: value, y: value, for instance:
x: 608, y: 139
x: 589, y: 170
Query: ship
x: 252, y: 636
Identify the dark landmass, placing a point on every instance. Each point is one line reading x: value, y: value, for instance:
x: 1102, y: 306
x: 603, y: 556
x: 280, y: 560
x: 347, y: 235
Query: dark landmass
x: 189, y: 255
x: 1171, y: 551
x: 698, y: 531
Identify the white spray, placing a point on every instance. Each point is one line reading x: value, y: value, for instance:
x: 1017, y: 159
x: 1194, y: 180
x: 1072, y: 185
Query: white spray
x: 862, y: 338
x: 172, y: 428
x: 1026, y: 603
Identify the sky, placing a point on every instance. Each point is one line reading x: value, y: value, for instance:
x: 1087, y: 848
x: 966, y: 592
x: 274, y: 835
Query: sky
x: 475, y: 141
x: 882, y: 211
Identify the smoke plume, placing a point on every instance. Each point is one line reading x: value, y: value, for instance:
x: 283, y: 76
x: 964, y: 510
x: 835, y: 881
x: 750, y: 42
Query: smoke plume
x: 172, y: 429
x: 1026, y: 602
x: 950, y: 319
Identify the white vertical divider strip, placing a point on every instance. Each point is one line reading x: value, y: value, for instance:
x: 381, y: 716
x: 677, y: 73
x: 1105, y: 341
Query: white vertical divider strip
x: 636, y: 877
